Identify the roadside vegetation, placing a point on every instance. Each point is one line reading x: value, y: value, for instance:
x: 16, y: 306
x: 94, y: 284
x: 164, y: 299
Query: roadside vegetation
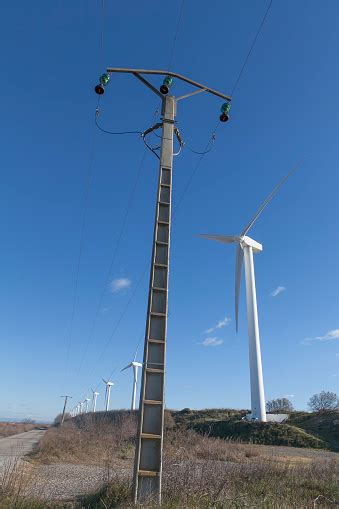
x: 8, y: 429
x: 200, y: 470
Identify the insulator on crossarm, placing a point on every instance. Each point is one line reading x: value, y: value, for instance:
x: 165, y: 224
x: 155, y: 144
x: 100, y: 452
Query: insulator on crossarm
x: 225, y: 109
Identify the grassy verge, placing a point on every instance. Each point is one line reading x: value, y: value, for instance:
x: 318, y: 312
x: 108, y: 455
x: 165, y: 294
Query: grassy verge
x: 8, y: 429
x: 312, y: 430
x: 199, y: 471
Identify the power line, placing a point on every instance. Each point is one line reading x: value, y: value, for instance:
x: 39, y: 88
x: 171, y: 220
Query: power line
x: 97, y: 113
x: 101, y: 49
x: 103, y: 292
x: 232, y: 93
x: 120, y: 236
x: 87, y: 191
x: 134, y: 188
x: 207, y: 150
x: 82, y: 235
x: 176, y: 34
x: 251, y: 48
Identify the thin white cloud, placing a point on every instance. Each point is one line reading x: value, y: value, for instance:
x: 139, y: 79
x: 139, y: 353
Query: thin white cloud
x: 117, y: 285
x: 212, y: 342
x: 289, y: 396
x: 277, y: 291
x: 329, y: 336
x: 220, y: 325
x: 223, y: 323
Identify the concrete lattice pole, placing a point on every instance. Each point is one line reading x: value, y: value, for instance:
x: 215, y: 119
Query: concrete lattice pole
x: 148, y: 459
x: 64, y: 408
x: 149, y: 446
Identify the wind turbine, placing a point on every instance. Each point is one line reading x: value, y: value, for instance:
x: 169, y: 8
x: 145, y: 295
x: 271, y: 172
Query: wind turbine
x: 135, y: 365
x: 86, y: 401
x: 94, y: 399
x: 245, y: 249
x: 108, y: 392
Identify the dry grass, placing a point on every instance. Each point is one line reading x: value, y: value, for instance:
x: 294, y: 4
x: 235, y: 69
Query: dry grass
x: 8, y: 429
x: 223, y: 485
x: 198, y: 472
x: 17, y: 487
x: 91, y: 439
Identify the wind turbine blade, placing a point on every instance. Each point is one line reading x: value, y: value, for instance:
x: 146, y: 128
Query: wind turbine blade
x: 225, y: 239
x: 269, y: 198
x: 104, y: 381
x: 238, y: 271
x: 123, y: 369
x: 137, y: 348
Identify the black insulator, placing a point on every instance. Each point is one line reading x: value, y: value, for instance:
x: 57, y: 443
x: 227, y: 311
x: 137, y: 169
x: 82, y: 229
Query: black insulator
x: 164, y: 89
x: 224, y: 117
x: 99, y: 89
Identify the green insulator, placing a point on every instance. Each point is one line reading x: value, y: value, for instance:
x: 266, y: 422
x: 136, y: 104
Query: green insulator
x: 104, y: 79
x: 168, y: 81
x: 225, y: 108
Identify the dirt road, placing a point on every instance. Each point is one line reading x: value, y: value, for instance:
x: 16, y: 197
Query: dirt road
x: 16, y: 446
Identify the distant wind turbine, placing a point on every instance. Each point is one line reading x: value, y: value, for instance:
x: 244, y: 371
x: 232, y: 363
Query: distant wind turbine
x: 245, y: 249
x: 94, y: 400
x: 108, y: 392
x: 135, y: 365
x: 86, y: 401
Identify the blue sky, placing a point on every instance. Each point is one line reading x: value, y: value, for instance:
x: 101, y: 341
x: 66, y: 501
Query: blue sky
x: 286, y: 108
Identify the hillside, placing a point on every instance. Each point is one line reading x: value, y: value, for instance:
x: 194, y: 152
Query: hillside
x: 320, y: 431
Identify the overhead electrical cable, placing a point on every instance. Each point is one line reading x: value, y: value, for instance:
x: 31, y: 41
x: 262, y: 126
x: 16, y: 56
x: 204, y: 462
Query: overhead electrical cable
x: 251, y: 48
x: 190, y: 179
x: 82, y: 235
x: 101, y: 49
x: 176, y: 35
x: 97, y: 113
x: 115, y: 252
x: 87, y: 192
x: 138, y: 174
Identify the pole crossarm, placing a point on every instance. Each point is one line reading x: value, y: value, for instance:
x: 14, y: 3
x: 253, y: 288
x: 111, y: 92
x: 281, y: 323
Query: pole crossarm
x: 137, y: 73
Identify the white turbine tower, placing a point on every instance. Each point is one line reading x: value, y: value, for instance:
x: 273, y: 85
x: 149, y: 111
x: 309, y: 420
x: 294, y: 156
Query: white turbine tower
x: 135, y: 365
x: 86, y: 401
x: 108, y: 392
x: 81, y: 403
x: 94, y: 399
x: 245, y: 249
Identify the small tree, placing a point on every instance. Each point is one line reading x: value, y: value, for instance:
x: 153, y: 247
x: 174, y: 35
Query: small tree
x: 324, y: 401
x: 279, y: 405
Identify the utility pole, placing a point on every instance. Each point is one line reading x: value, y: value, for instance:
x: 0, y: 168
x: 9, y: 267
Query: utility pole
x: 149, y: 446
x: 64, y: 408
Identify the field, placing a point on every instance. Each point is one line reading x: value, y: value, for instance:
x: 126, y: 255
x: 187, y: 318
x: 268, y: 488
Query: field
x: 94, y: 452
x: 8, y: 429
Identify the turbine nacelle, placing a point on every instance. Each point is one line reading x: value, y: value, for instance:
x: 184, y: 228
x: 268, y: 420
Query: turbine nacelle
x: 132, y: 364
x: 247, y: 241
x: 242, y: 240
